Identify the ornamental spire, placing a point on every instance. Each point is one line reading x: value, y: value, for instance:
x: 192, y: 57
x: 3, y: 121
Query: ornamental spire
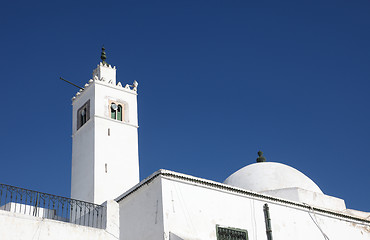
x: 261, y: 158
x: 103, y: 57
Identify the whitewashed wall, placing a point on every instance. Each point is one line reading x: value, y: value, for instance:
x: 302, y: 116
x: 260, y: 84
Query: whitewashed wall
x: 82, y: 176
x: 18, y: 226
x: 119, y: 150
x: 177, y: 209
x: 191, y: 211
x: 141, y: 215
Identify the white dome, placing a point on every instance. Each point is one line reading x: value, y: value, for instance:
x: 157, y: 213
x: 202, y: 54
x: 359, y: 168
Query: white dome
x: 266, y: 176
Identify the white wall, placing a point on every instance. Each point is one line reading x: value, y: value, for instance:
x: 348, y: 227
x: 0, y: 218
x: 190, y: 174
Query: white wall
x: 141, y: 215
x: 119, y: 150
x: 18, y: 226
x: 121, y: 158
x: 191, y: 211
x: 82, y: 177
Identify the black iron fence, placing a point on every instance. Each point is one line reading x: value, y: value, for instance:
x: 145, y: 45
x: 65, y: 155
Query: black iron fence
x: 38, y: 204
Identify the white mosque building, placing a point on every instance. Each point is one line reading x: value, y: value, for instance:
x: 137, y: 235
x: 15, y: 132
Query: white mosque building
x: 264, y: 200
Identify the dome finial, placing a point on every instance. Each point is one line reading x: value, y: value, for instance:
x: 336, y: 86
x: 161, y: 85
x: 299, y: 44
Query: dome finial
x: 103, y: 57
x: 261, y: 158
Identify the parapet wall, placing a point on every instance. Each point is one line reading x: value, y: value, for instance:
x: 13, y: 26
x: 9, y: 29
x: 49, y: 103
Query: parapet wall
x: 16, y: 226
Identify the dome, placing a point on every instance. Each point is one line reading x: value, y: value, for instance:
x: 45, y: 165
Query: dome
x: 267, y: 176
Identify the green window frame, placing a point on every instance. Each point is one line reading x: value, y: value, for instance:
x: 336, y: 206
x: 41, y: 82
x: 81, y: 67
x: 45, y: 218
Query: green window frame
x: 119, y: 113
x: 113, y: 112
x: 116, y: 111
x: 227, y: 233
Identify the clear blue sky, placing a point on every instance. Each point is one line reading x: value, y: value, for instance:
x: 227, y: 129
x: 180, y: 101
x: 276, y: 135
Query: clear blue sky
x: 218, y: 80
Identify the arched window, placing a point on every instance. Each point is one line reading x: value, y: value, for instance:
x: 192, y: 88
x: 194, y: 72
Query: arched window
x: 113, y: 109
x: 116, y: 111
x: 119, y: 113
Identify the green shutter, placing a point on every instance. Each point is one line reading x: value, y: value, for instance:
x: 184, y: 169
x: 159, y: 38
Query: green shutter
x: 119, y: 113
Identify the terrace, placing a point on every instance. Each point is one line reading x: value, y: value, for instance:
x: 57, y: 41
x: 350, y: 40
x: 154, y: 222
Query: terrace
x: 43, y: 205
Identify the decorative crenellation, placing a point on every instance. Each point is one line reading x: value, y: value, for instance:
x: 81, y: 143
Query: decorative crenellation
x: 106, y: 74
x: 104, y: 65
x: 132, y: 87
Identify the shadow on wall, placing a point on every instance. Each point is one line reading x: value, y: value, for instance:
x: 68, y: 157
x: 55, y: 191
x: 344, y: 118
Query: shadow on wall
x: 175, y: 237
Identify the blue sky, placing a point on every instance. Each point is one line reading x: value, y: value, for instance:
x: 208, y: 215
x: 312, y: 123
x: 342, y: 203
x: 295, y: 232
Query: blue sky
x: 218, y: 81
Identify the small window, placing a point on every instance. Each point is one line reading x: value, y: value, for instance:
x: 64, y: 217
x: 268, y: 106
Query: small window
x: 83, y: 114
x: 225, y: 233
x: 119, y: 113
x: 113, y: 111
x: 116, y: 111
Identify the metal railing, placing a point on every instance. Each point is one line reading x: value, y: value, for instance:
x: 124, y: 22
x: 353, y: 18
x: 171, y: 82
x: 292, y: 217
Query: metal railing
x: 38, y: 204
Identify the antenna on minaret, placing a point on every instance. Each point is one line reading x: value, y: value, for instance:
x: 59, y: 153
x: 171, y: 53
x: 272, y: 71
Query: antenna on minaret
x: 71, y: 83
x: 103, y: 56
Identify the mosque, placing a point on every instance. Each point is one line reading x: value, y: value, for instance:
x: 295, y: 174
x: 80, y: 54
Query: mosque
x: 264, y: 200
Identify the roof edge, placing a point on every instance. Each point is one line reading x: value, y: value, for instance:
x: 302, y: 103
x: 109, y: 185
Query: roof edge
x: 213, y: 184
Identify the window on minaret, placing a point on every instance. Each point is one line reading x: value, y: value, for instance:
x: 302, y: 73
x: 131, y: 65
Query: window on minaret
x: 113, y: 111
x: 119, y: 113
x: 83, y: 114
x: 116, y: 111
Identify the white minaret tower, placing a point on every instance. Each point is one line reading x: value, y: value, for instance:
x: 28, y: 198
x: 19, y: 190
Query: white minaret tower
x: 105, y: 159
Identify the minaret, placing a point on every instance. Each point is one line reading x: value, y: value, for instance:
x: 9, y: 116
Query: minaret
x: 105, y: 159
